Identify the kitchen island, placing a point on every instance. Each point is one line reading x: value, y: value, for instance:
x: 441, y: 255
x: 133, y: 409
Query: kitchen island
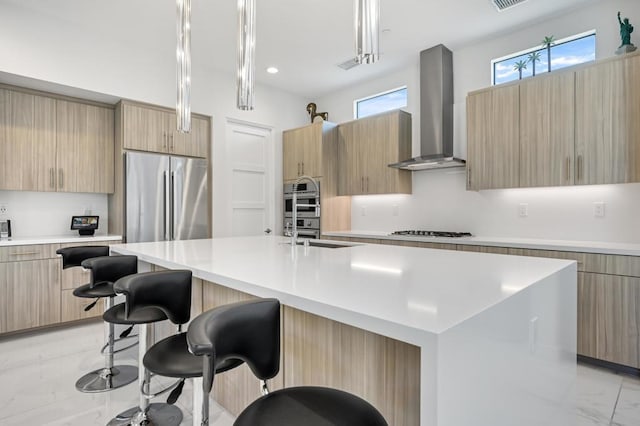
x: 430, y: 337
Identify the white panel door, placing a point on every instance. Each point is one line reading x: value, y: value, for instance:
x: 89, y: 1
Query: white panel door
x: 250, y: 154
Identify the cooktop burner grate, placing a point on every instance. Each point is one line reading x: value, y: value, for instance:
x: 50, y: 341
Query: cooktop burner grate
x: 418, y: 233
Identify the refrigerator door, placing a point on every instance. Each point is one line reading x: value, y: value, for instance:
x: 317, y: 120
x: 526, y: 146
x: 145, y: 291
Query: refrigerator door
x: 190, y: 198
x: 146, y: 200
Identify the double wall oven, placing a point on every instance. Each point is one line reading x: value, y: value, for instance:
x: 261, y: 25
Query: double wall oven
x: 308, y: 221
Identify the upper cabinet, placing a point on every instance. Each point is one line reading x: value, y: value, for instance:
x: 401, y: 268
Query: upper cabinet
x: 302, y: 150
x: 54, y: 144
x: 366, y: 147
x: 492, y: 134
x: 153, y: 129
x: 608, y: 122
x: 573, y: 127
x: 547, y: 130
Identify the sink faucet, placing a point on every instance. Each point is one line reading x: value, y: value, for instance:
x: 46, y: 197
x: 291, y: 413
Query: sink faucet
x: 294, y: 232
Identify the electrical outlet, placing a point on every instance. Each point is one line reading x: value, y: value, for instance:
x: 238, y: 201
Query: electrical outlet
x: 363, y: 211
x: 598, y: 209
x: 4, y: 209
x: 396, y: 210
x: 87, y: 211
x: 523, y: 209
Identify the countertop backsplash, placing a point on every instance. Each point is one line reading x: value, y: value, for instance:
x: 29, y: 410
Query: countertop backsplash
x: 41, y: 214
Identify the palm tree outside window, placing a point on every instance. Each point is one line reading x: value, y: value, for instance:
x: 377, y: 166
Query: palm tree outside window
x: 540, y: 59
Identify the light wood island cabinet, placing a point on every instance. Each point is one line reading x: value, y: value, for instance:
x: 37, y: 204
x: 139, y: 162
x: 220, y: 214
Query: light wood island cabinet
x: 366, y: 147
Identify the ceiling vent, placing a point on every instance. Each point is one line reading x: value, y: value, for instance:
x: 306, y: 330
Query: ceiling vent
x: 506, y: 4
x: 347, y: 65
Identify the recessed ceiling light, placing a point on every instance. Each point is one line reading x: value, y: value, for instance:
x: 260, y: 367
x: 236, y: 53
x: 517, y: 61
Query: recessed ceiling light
x: 272, y: 70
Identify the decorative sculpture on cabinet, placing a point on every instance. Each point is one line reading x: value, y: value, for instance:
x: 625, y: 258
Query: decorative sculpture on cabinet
x: 311, y: 110
x: 625, y: 34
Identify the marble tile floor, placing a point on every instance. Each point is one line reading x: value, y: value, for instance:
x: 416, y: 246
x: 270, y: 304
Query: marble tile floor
x: 38, y: 372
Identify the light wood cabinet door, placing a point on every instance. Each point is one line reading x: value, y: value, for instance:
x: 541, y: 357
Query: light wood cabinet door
x: 609, y: 318
x: 366, y: 147
x: 607, y: 125
x: 85, y: 148
x: 145, y: 129
x: 193, y: 144
x: 547, y: 130
x: 302, y: 151
x: 32, y: 294
x: 27, y: 142
x: 493, y: 138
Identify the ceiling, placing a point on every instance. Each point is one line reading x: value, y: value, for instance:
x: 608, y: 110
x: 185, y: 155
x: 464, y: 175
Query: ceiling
x: 305, y: 39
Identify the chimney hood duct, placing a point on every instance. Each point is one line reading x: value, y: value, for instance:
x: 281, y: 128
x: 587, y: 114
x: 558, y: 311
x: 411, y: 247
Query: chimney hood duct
x: 436, y: 113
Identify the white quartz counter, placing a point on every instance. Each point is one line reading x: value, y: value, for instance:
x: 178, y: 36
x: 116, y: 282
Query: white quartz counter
x: 24, y: 241
x: 496, y: 333
x: 400, y: 292
x: 626, y: 249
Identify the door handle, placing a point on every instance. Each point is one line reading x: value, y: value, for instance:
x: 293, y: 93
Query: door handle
x: 164, y: 205
x: 60, y: 178
x: 172, y: 200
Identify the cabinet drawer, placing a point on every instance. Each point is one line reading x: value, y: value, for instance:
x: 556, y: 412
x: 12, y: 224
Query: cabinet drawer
x: 484, y: 249
x: 28, y: 252
x: 72, y: 307
x: 90, y: 243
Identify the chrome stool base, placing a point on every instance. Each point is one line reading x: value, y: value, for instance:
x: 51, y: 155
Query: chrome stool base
x: 157, y: 414
x: 106, y: 379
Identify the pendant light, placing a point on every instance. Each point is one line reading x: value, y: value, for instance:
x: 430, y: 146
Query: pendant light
x: 246, y: 54
x: 183, y: 53
x: 367, y: 27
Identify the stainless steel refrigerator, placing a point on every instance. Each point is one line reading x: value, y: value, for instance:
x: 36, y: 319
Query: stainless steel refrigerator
x: 166, y: 198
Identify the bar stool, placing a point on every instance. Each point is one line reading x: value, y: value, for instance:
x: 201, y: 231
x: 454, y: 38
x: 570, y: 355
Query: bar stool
x: 251, y: 331
x: 149, y: 298
x: 104, y: 271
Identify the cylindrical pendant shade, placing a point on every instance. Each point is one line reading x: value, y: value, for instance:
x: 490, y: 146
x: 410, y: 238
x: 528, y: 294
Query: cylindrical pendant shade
x: 246, y: 53
x: 367, y: 28
x: 183, y: 53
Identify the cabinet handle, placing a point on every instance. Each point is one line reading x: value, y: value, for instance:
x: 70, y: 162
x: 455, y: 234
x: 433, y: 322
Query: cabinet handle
x: 60, y: 178
x: 23, y: 254
x: 52, y: 177
x: 303, y: 167
x: 567, y: 164
x: 580, y: 167
x: 171, y: 146
x: 469, y: 176
x: 362, y: 184
x: 367, y: 183
x: 164, y: 140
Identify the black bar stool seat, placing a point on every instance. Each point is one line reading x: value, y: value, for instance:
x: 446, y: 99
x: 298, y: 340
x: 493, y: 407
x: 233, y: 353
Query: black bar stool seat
x: 170, y: 357
x: 118, y: 315
x: 310, y: 406
x: 96, y: 290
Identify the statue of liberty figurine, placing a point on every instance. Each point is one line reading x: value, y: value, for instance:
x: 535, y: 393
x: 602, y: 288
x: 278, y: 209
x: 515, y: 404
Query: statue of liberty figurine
x: 625, y: 34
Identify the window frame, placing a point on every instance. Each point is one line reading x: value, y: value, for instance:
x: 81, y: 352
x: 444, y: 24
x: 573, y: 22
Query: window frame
x: 536, y: 48
x: 386, y: 92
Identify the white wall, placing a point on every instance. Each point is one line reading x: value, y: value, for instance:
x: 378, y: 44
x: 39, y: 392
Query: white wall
x: 439, y: 199
x: 48, y: 49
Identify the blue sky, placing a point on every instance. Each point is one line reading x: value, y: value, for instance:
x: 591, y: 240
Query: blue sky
x: 563, y: 55
x: 386, y: 102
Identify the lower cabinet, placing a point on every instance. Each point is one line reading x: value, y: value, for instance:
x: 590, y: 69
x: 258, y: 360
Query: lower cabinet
x: 35, y: 291
x: 609, y: 318
x: 30, y: 294
x: 608, y: 297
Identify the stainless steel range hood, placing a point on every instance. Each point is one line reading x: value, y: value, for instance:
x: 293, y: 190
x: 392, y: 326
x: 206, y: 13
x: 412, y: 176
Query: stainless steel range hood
x: 436, y: 113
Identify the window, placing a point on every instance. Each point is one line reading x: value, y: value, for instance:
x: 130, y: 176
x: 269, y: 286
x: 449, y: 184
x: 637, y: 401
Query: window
x: 564, y: 53
x: 386, y: 101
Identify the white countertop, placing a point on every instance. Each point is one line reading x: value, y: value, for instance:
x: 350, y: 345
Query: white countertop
x: 24, y: 241
x: 626, y: 249
x: 401, y: 292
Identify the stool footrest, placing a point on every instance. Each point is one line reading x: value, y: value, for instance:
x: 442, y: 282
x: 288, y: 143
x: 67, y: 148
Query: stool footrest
x: 163, y: 391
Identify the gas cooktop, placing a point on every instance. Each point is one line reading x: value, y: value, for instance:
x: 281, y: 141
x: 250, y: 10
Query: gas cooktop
x: 417, y: 233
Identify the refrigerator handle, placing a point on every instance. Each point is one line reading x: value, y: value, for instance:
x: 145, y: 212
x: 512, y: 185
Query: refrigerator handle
x: 164, y: 204
x: 173, y: 205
